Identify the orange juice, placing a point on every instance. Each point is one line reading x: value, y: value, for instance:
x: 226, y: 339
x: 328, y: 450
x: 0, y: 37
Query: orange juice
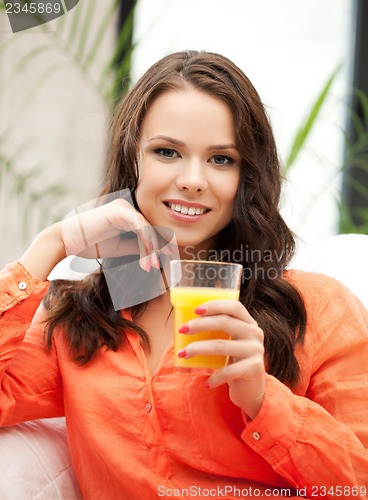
x: 185, y: 300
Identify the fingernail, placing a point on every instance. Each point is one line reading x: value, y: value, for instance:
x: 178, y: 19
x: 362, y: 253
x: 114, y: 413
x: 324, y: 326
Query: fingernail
x: 150, y: 245
x: 184, y: 329
x: 167, y: 250
x: 207, y: 384
x: 155, y: 261
x: 182, y: 353
x: 200, y: 309
x: 148, y: 266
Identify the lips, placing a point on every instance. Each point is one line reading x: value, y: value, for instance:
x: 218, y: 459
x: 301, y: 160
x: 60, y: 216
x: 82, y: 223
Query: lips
x: 187, y: 210
x: 183, y: 209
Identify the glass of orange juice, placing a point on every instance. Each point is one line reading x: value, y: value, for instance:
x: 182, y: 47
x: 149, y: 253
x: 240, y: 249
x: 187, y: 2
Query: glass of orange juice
x: 193, y: 282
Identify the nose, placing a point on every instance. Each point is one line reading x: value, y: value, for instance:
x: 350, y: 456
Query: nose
x: 192, y: 177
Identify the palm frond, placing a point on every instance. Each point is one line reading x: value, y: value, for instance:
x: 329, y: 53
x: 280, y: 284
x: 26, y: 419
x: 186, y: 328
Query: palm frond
x: 100, y: 33
x: 305, y: 129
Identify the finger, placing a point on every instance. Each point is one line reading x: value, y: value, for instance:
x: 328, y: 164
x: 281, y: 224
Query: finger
x: 147, y: 242
x: 153, y: 246
x: 167, y: 242
x: 130, y: 221
x: 167, y: 250
x: 223, y: 347
x: 113, y: 248
x: 144, y: 241
x: 236, y: 328
x: 142, y: 234
x: 247, y: 370
x: 229, y: 307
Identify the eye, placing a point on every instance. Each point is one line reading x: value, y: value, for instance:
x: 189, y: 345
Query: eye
x: 222, y: 160
x: 166, y: 152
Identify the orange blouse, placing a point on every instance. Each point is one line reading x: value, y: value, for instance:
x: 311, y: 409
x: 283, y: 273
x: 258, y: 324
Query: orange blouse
x: 137, y: 436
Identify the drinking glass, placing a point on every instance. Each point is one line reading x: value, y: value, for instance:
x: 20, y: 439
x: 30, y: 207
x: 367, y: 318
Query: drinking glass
x: 193, y: 282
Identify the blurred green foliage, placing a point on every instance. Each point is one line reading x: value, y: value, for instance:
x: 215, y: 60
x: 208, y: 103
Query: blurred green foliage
x: 76, y: 40
x: 355, y: 156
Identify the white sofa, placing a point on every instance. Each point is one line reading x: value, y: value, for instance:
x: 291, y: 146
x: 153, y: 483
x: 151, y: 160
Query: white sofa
x: 34, y: 457
x: 35, y: 462
x: 344, y: 257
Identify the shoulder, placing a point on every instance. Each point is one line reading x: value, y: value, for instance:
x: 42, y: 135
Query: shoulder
x: 319, y: 290
x: 307, y: 280
x: 337, y: 322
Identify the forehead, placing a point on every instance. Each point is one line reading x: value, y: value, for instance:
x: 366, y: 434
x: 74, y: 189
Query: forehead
x: 189, y: 110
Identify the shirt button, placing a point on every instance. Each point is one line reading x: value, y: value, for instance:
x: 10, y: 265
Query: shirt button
x: 22, y: 285
x: 256, y: 436
x: 148, y: 407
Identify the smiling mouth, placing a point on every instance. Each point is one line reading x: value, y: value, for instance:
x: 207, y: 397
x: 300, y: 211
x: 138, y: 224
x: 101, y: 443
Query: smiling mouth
x: 181, y: 209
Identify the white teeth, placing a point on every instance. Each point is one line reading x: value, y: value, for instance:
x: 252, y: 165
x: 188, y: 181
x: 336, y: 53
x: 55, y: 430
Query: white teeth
x: 186, y: 210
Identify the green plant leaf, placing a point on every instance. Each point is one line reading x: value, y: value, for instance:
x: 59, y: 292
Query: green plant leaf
x: 101, y: 32
x: 107, y: 85
x: 85, y: 29
x: 306, y: 127
x: 76, y: 19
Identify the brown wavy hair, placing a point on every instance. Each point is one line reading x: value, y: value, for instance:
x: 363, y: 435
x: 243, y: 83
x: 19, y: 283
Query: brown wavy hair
x: 257, y: 231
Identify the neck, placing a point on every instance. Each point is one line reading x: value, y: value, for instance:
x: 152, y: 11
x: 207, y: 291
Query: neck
x: 193, y: 253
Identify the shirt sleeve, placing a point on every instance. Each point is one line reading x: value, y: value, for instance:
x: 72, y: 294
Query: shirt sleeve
x: 31, y: 385
x: 317, y: 438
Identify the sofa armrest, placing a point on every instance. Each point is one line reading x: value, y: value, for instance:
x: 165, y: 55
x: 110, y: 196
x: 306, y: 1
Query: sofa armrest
x: 35, y: 462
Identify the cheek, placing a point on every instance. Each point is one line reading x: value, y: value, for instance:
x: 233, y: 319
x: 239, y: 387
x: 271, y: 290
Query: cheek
x: 229, y: 195
x: 137, y: 195
x: 150, y: 185
x: 141, y: 193
x: 145, y: 181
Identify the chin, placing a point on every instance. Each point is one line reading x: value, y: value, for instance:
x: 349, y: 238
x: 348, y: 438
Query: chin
x: 194, y: 250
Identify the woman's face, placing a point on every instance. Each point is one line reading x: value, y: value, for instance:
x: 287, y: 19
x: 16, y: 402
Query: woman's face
x: 189, y: 167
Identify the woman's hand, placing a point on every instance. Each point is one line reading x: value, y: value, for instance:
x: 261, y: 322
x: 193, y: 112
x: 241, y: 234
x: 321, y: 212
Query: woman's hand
x: 96, y: 233
x: 245, y: 375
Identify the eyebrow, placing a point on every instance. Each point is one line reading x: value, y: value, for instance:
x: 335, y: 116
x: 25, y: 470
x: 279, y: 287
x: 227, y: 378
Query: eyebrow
x: 176, y: 142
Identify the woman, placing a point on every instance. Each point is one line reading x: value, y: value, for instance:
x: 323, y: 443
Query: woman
x: 288, y: 416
